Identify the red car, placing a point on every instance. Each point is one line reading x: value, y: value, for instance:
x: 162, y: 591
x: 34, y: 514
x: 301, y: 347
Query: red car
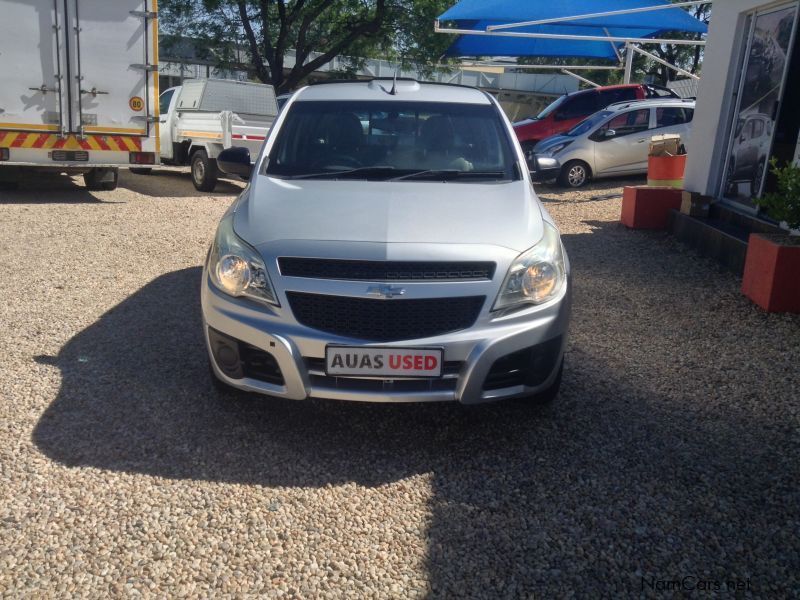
x: 570, y: 109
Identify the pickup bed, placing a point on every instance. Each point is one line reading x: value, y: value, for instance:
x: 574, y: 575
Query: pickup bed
x: 204, y: 117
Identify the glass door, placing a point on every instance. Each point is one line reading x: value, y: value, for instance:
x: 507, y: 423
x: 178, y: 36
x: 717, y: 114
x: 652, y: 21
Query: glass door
x: 769, y: 39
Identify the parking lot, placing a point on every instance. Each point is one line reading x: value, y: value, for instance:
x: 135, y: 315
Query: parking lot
x: 672, y: 452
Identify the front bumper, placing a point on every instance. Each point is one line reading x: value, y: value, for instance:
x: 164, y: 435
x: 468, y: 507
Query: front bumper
x: 532, y: 336
x: 544, y: 168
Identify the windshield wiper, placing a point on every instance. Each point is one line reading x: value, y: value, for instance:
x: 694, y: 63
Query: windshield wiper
x: 345, y: 172
x: 447, y: 174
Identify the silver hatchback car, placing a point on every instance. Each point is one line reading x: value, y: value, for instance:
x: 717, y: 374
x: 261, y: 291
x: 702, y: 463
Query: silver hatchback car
x: 611, y: 142
x: 389, y: 247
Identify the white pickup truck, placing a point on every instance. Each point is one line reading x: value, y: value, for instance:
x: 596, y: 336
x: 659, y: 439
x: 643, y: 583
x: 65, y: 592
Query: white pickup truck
x: 204, y: 117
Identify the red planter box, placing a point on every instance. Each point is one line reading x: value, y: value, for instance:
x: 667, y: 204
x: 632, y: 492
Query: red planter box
x: 772, y: 274
x: 648, y: 207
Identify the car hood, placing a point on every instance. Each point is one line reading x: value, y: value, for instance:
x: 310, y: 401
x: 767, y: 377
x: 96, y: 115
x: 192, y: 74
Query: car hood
x: 498, y: 214
x: 552, y: 142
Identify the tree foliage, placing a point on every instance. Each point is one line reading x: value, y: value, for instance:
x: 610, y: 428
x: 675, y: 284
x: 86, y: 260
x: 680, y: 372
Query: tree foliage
x: 260, y: 33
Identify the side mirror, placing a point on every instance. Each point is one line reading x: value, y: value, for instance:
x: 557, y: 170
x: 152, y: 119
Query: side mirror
x: 610, y: 133
x: 235, y: 161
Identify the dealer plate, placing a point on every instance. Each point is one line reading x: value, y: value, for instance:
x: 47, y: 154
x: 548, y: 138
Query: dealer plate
x: 388, y: 362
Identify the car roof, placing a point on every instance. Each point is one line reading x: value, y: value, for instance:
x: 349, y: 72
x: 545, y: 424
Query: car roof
x: 621, y: 86
x: 657, y: 102
x: 381, y: 88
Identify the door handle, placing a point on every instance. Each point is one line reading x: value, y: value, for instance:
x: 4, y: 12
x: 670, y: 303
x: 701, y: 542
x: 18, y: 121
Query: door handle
x: 94, y: 92
x: 44, y: 89
x: 641, y: 141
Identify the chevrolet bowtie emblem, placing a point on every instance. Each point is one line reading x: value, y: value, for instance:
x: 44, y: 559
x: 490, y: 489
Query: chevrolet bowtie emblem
x: 385, y: 291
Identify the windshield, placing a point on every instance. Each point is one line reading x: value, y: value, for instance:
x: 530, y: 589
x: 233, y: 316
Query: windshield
x: 589, y: 123
x: 551, y: 107
x: 392, y: 140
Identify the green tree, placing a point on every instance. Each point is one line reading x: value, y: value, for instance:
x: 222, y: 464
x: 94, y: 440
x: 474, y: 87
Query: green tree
x: 687, y: 57
x: 259, y: 33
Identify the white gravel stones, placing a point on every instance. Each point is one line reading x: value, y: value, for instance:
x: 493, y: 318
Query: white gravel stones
x: 674, y: 450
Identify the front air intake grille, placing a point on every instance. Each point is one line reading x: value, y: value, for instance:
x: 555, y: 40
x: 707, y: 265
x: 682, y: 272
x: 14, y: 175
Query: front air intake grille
x: 384, y: 320
x: 378, y: 270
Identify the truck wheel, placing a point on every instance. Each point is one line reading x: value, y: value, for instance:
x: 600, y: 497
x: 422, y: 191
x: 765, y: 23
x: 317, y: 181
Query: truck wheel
x: 142, y: 171
x: 574, y: 174
x: 100, y: 179
x: 204, y: 172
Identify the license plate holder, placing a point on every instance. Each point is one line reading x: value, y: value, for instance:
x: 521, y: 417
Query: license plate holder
x: 384, y: 362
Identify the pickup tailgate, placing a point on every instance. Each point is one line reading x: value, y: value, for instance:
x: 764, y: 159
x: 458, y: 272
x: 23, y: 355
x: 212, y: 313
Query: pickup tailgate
x: 251, y: 134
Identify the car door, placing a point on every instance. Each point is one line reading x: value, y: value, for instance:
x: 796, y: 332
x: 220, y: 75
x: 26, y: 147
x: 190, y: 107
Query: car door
x: 620, y: 145
x: 166, y: 102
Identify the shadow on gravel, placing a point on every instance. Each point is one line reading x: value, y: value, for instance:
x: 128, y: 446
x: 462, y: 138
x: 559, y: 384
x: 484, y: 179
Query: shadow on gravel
x: 595, y: 191
x: 173, y: 183
x: 661, y: 459
x: 50, y: 189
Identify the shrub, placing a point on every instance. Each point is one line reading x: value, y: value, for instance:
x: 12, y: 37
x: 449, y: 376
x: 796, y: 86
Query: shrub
x: 784, y: 205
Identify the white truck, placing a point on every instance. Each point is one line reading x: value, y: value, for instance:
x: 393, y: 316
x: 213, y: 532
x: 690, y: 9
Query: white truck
x: 79, y: 88
x: 203, y: 117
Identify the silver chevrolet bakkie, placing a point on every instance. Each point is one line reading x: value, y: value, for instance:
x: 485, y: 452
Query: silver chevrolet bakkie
x: 389, y: 247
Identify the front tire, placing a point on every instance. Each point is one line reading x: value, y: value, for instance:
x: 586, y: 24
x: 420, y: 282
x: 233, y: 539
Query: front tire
x: 223, y: 387
x: 204, y: 172
x: 546, y: 397
x: 574, y: 174
x: 98, y: 180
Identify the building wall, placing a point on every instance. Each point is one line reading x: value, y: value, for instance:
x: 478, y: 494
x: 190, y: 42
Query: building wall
x: 710, y: 128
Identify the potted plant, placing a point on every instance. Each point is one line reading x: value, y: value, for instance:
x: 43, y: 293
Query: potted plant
x: 772, y: 266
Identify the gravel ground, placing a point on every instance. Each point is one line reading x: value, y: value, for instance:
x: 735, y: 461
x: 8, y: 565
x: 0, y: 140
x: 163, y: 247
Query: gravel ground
x: 673, y: 451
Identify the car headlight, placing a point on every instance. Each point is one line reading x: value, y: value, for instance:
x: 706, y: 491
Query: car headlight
x: 537, y: 275
x: 559, y: 147
x: 236, y: 268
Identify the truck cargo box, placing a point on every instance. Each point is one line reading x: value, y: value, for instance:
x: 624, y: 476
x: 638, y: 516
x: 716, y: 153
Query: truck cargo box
x: 79, y: 82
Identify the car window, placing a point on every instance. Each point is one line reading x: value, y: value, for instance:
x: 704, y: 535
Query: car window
x: 398, y: 137
x: 581, y: 105
x: 552, y: 106
x: 164, y: 100
x: 758, y: 128
x: 589, y: 123
x: 627, y: 123
x: 608, y: 97
x: 668, y: 116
